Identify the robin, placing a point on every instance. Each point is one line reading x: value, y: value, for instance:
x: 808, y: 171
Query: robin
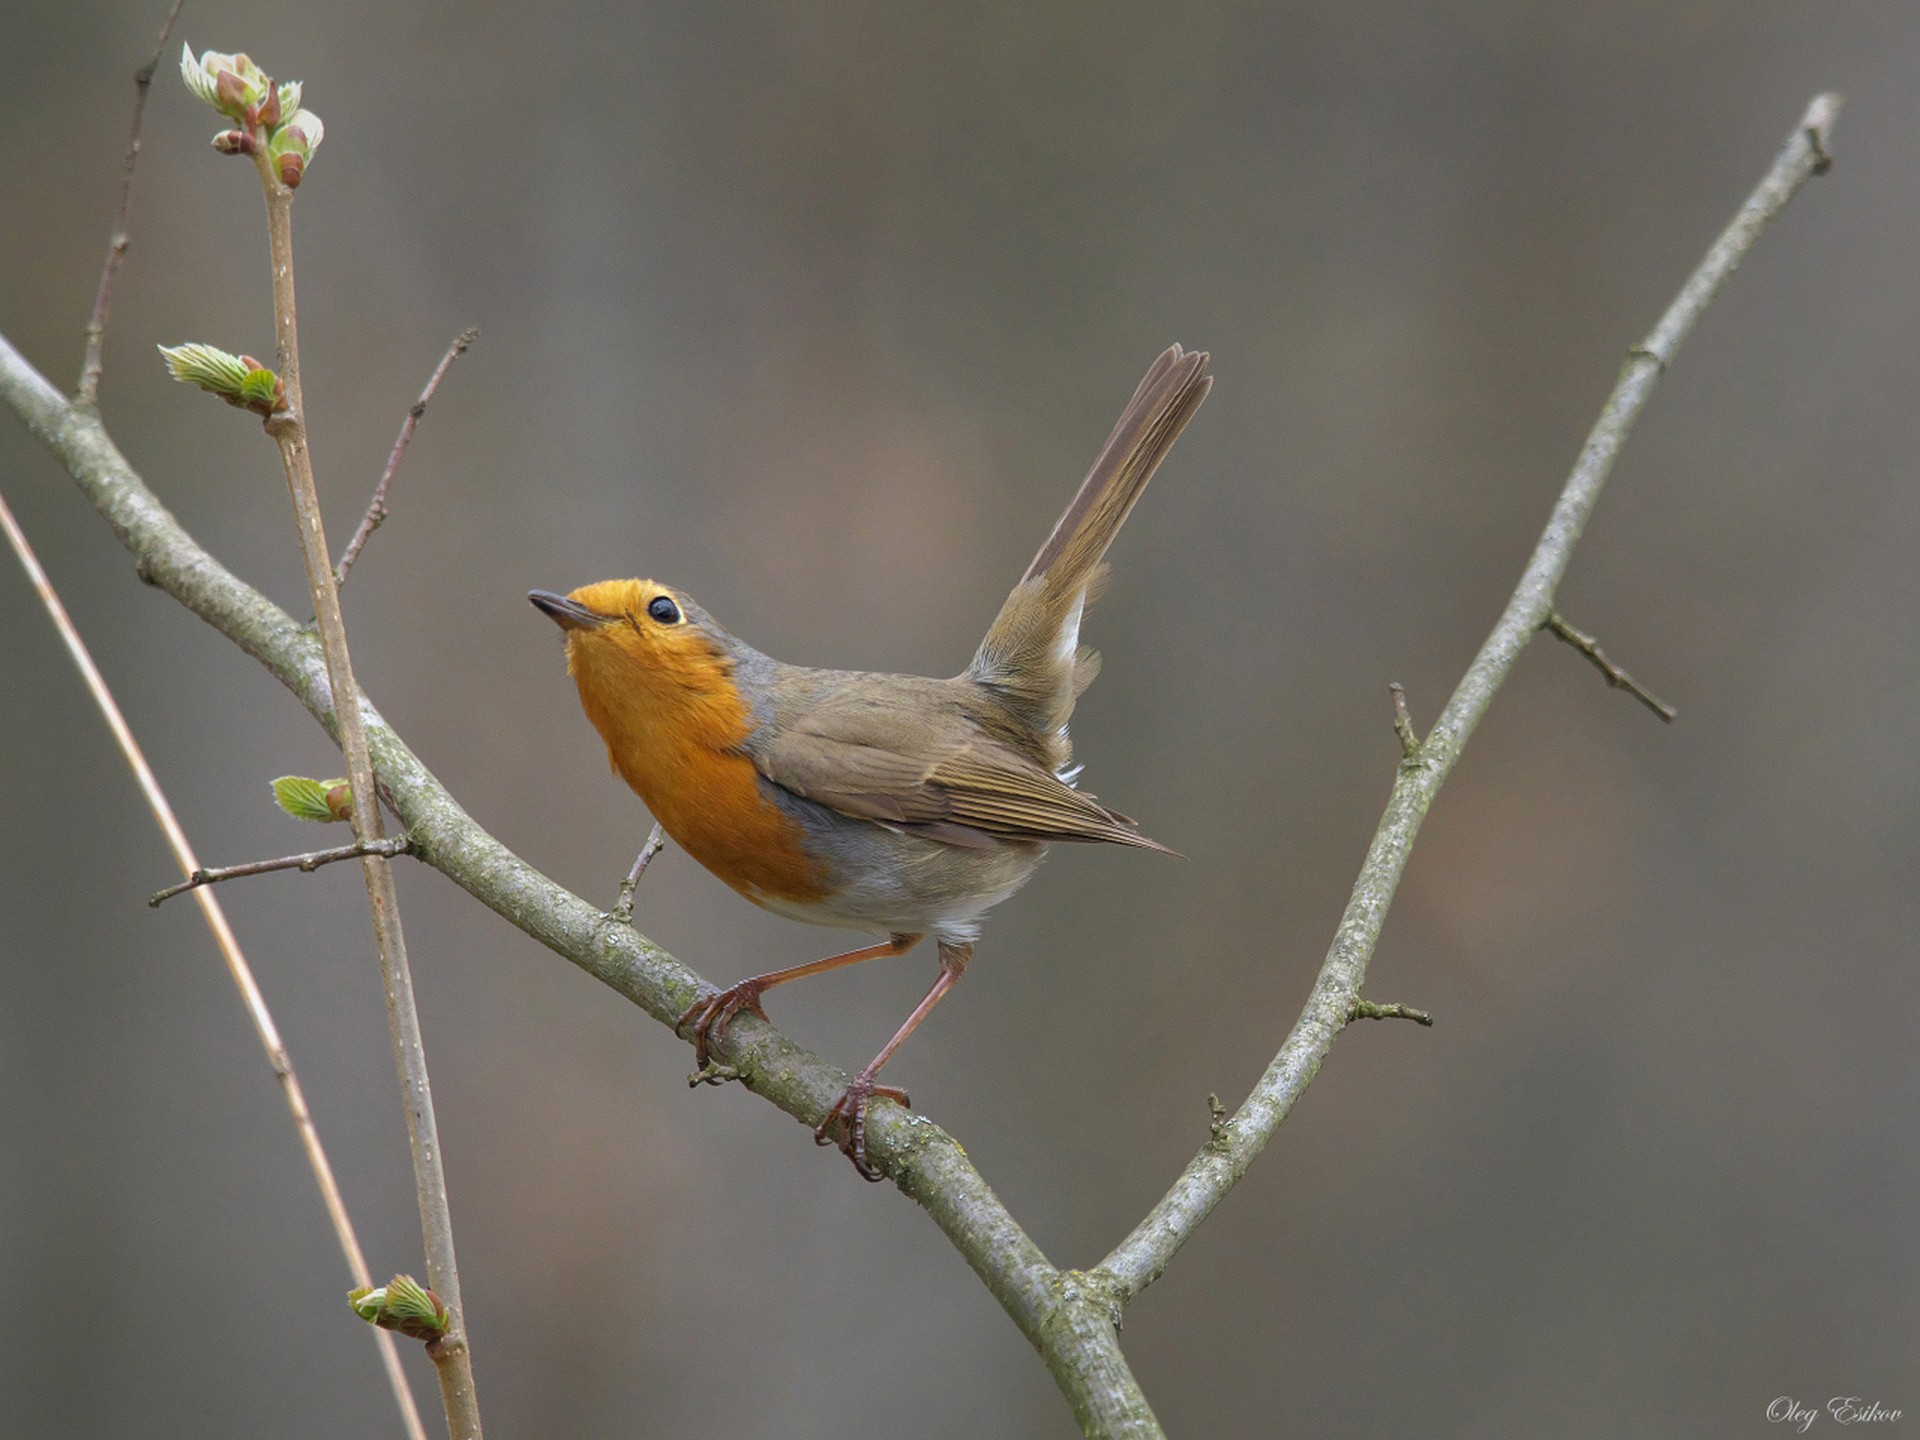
x: 894, y: 804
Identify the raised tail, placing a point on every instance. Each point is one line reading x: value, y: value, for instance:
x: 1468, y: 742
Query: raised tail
x: 1032, y: 657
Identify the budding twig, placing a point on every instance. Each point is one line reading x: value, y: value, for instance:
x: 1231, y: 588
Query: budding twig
x: 389, y: 846
x: 452, y: 1354
x: 1615, y: 676
x: 377, y: 507
x: 96, y: 331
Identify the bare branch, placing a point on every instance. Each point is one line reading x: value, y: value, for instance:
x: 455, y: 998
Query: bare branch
x: 1143, y: 1255
x: 278, y: 1059
x: 656, y: 842
x: 377, y: 507
x: 312, y: 860
x: 88, y: 393
x: 1555, y: 625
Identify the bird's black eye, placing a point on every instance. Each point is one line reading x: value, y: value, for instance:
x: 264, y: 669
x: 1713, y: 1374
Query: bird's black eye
x: 663, y: 610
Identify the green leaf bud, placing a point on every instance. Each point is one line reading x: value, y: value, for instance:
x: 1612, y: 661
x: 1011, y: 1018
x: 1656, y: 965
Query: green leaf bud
x: 208, y: 367
x: 231, y: 84
x: 306, y: 799
x: 291, y: 147
x: 405, y: 1305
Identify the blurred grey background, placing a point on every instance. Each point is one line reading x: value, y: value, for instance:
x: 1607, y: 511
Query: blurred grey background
x: 820, y: 311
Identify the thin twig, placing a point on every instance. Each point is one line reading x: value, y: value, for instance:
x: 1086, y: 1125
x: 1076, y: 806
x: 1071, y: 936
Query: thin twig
x: 656, y: 842
x: 1367, y: 1010
x: 451, y: 1354
x: 1615, y: 676
x: 309, y: 862
x: 88, y: 393
x: 1144, y: 1255
x: 1403, y: 722
x: 229, y: 945
x: 377, y: 507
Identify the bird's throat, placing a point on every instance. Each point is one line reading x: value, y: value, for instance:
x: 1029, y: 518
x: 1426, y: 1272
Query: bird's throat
x: 673, y: 733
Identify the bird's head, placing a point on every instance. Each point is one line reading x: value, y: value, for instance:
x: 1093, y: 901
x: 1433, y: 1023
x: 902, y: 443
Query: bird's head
x: 644, y: 655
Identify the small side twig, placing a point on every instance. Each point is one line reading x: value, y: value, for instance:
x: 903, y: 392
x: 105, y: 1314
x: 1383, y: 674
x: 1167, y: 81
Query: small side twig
x: 389, y: 846
x: 1555, y: 625
x: 1216, y: 1115
x: 1367, y: 1010
x: 656, y: 842
x: 1403, y: 721
x: 88, y: 393
x: 714, y: 1073
x: 377, y: 507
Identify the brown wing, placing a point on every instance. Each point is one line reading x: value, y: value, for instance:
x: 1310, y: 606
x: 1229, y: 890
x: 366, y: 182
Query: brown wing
x: 948, y: 781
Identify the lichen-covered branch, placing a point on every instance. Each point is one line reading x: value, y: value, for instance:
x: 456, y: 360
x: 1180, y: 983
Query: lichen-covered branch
x: 1143, y: 1255
x: 920, y: 1157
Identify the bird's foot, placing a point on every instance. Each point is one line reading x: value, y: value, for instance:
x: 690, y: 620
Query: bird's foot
x: 711, y: 1014
x: 848, y: 1117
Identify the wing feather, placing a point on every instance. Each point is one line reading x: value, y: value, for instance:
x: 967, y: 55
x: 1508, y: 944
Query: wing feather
x: 950, y: 782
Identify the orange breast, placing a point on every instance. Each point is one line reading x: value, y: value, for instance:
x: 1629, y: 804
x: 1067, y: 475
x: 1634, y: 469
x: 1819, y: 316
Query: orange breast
x: 670, y: 736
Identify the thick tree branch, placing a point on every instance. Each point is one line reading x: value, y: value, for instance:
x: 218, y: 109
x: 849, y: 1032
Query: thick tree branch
x: 1143, y: 1255
x: 921, y: 1158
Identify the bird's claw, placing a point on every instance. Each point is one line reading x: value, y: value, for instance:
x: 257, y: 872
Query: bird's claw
x: 711, y: 1014
x: 848, y: 1116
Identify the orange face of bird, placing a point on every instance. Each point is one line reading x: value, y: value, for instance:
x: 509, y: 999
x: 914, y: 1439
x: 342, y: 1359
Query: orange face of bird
x: 639, y: 635
x: 654, y: 675
x: 657, y: 679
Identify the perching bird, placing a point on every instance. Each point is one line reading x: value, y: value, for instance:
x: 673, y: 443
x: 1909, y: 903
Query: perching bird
x: 895, y: 804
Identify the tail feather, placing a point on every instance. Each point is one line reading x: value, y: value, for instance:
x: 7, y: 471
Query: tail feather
x: 1031, y: 656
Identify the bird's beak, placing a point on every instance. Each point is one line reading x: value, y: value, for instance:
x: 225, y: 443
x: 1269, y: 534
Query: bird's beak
x: 567, y: 614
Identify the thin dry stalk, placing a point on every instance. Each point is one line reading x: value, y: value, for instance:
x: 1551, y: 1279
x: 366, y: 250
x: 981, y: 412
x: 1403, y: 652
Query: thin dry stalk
x: 277, y: 1057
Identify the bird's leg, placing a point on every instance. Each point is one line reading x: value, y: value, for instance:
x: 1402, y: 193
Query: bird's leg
x: 849, y: 1113
x: 710, y: 1014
